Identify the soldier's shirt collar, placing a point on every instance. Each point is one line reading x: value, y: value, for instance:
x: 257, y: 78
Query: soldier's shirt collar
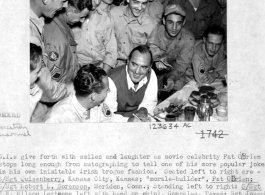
x: 82, y: 112
x: 128, y: 13
x: 38, y: 22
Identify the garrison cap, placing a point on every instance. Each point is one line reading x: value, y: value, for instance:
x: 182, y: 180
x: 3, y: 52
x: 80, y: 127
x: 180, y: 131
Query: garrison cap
x: 174, y: 9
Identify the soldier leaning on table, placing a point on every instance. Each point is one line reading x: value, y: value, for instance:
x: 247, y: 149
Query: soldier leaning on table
x: 52, y: 90
x: 59, y: 40
x: 133, y: 26
x: 209, y: 58
x: 174, y: 44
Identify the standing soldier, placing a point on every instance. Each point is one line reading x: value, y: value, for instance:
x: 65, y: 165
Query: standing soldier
x: 59, y: 40
x: 52, y: 90
x: 133, y: 27
x: 173, y: 44
x: 96, y: 42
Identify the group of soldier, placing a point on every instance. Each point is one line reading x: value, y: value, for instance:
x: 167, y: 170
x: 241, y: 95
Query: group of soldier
x: 94, y: 61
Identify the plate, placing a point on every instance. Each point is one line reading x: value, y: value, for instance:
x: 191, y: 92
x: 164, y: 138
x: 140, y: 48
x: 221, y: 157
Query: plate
x: 206, y: 88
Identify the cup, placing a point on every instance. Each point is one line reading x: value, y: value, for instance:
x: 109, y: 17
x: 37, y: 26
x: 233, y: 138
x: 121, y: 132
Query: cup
x: 189, y: 112
x: 171, y: 117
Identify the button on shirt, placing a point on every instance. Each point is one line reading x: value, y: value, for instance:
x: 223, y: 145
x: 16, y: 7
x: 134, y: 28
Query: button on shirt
x: 70, y: 110
x: 96, y: 42
x: 131, y: 32
x: 150, y: 97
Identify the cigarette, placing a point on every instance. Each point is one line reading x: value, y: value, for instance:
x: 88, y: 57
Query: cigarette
x: 137, y: 117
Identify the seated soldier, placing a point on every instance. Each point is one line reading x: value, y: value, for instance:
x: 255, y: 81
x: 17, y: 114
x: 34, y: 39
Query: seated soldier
x: 59, y: 40
x: 96, y: 42
x: 133, y: 27
x: 133, y: 86
x: 209, y: 59
x: 172, y: 49
x: 87, y: 104
x: 36, y: 65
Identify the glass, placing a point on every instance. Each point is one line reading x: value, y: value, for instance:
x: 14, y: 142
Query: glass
x: 189, y: 112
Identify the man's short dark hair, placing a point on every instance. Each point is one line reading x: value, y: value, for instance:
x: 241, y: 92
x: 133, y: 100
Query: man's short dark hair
x: 35, y: 56
x: 143, y: 49
x: 81, y: 4
x: 214, y: 29
x: 89, y: 80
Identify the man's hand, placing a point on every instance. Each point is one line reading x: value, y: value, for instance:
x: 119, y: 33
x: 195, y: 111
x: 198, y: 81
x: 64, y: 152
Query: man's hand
x: 140, y: 116
x: 160, y: 66
x: 209, y: 77
x: 170, y: 85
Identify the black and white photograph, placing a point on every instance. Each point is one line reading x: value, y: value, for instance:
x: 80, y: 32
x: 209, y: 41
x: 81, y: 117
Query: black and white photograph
x: 153, y: 97
x: 139, y: 61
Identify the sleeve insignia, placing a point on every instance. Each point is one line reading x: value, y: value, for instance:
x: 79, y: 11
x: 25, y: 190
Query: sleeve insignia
x: 105, y: 110
x: 56, y: 73
x: 53, y: 56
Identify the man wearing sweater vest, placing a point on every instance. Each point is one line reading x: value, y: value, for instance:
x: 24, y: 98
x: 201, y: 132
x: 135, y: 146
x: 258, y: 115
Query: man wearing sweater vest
x: 133, y: 86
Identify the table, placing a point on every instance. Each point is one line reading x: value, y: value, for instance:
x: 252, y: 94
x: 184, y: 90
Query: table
x: 183, y: 95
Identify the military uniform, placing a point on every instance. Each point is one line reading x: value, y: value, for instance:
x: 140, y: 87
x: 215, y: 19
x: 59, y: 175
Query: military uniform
x: 180, y: 50
x: 207, y: 14
x: 61, y: 49
x: 96, y: 40
x: 131, y: 32
x: 155, y: 9
x: 202, y: 62
x: 52, y: 90
x: 69, y: 110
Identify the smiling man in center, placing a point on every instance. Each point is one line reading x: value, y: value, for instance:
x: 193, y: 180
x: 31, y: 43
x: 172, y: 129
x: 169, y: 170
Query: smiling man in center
x: 133, y: 86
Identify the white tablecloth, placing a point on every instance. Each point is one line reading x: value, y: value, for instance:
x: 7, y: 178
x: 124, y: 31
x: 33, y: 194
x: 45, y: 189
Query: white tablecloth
x: 183, y: 95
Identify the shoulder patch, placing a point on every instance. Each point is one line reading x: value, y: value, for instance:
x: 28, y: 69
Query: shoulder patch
x: 106, y: 111
x: 53, y: 56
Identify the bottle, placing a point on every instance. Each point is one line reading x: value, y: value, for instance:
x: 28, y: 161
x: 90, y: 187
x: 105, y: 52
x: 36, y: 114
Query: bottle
x: 205, y: 110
